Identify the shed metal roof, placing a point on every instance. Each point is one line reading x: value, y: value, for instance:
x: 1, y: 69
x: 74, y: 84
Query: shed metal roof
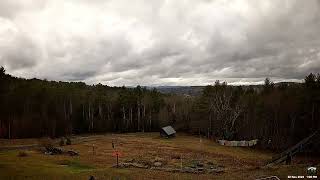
x: 169, y: 130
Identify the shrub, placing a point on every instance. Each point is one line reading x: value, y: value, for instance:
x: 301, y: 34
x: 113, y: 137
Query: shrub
x: 22, y: 154
x: 68, y: 142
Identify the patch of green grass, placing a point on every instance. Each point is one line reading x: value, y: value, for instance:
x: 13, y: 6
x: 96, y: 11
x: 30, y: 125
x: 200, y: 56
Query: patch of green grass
x: 30, y: 166
x: 75, y: 166
x: 39, y: 166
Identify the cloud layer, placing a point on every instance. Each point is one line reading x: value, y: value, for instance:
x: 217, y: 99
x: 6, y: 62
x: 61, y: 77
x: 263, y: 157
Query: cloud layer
x: 148, y: 42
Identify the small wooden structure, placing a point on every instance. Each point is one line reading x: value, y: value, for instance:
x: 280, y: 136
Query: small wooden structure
x: 167, y: 132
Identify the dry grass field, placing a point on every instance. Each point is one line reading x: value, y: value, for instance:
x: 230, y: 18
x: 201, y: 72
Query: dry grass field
x: 21, y: 159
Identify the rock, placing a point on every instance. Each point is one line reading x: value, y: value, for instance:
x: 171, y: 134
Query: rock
x: 188, y: 170
x: 173, y: 170
x: 157, y: 164
x: 73, y: 153
x: 200, y: 169
x: 54, y: 150
x: 128, y: 165
x: 48, y: 153
x: 215, y: 170
x: 129, y: 160
x: 139, y: 165
x: 158, y: 159
x: 144, y: 162
x: 199, y: 164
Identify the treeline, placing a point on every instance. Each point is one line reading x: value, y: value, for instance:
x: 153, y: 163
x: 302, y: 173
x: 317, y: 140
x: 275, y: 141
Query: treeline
x: 34, y: 108
x: 277, y: 114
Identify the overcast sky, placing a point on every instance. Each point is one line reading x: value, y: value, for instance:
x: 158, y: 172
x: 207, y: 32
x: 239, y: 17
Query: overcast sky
x: 155, y: 42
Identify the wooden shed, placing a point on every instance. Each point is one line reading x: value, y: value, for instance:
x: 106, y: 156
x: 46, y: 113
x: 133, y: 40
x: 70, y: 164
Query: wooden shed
x: 167, y: 132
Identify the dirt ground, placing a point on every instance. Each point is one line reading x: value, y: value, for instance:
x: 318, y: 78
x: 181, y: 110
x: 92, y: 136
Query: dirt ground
x: 142, y: 156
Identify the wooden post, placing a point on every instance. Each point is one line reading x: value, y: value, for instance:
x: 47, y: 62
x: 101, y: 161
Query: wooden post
x: 117, y: 160
x: 93, y: 150
x: 181, y: 162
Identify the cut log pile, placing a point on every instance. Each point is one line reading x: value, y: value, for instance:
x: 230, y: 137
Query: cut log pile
x: 57, y: 151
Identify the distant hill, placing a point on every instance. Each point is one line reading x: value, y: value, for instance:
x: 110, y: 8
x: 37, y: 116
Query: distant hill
x: 197, y: 90
x: 190, y: 90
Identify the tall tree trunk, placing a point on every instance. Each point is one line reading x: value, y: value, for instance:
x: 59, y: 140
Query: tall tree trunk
x: 124, y: 115
x: 174, y: 113
x: 89, y: 118
x: 54, y: 128
x: 131, y: 116
x: 101, y: 118
x: 70, y: 118
x: 66, y: 123
x: 71, y: 107
x: 108, y: 113
x: 100, y: 111
x: 83, y: 112
x: 150, y: 119
x: 312, y: 116
x: 210, y: 121
x: 9, y: 130
x: 144, y: 110
x: 143, y: 117
x: 138, y: 116
x: 65, y: 111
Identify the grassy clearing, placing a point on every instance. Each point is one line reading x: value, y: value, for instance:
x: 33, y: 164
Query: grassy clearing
x: 74, y: 166
x: 238, y: 163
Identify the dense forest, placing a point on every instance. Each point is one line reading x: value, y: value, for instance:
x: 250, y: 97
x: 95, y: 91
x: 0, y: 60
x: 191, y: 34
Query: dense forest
x: 276, y: 114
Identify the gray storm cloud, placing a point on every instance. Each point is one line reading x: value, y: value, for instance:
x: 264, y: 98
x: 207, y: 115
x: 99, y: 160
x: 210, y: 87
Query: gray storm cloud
x: 158, y: 42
